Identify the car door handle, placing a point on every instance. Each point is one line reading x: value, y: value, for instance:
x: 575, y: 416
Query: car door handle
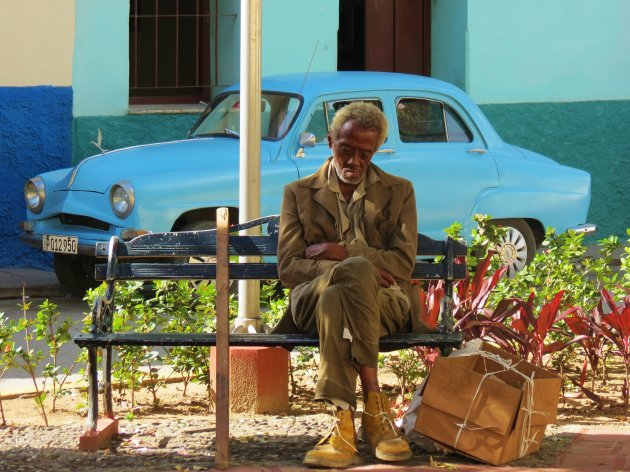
x: 478, y: 150
x: 386, y: 151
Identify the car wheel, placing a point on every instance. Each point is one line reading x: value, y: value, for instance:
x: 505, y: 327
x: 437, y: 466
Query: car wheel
x: 75, y: 273
x: 518, y: 246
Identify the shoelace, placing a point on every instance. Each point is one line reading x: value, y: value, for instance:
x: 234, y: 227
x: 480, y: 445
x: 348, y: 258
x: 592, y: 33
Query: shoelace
x: 334, y: 427
x: 385, y: 418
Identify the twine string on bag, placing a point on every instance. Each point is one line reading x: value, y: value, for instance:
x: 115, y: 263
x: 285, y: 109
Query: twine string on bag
x: 526, y: 438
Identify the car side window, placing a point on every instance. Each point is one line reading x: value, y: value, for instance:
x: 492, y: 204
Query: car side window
x: 429, y: 121
x: 456, y: 129
x: 322, y: 116
x: 318, y: 124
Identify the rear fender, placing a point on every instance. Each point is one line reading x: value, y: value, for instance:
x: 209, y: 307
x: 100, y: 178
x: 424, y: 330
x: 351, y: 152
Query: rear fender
x: 542, y: 209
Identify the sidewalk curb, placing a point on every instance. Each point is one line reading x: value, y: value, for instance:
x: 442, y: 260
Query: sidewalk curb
x: 34, y: 283
x: 77, y: 381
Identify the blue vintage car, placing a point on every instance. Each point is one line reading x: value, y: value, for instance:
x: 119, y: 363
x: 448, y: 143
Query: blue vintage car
x: 438, y: 138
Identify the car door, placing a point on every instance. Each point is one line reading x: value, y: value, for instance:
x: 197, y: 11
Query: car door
x: 434, y: 143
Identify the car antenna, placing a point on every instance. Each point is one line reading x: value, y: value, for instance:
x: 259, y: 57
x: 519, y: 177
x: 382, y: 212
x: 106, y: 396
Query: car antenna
x: 308, y: 69
x: 300, y: 152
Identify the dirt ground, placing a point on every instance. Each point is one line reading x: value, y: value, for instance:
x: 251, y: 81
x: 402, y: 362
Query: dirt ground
x: 139, y: 424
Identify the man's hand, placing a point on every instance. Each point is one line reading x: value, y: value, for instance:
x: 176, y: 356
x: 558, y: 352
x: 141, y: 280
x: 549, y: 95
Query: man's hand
x: 386, y: 278
x: 329, y: 251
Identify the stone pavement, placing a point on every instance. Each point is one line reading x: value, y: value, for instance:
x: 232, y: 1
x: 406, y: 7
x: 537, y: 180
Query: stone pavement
x: 594, y: 449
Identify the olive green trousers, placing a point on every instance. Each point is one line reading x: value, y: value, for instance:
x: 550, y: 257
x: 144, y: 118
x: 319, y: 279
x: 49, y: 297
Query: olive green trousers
x: 349, y: 310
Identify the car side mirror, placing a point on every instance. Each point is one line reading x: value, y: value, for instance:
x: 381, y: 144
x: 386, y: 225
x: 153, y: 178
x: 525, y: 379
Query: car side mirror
x: 307, y: 140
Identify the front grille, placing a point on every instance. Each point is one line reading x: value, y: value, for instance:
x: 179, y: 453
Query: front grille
x: 78, y: 220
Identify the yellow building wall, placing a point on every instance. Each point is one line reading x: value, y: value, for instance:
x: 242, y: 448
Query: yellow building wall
x: 36, y: 42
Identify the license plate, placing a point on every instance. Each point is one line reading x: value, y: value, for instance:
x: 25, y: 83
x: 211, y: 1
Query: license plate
x: 62, y: 244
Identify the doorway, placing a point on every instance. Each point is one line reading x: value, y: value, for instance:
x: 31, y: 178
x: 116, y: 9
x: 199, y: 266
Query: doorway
x: 385, y: 35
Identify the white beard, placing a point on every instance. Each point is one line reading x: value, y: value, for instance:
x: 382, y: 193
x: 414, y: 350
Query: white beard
x: 343, y: 178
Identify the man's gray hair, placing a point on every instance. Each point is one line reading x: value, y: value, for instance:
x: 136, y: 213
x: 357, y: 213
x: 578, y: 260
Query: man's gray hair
x: 367, y: 115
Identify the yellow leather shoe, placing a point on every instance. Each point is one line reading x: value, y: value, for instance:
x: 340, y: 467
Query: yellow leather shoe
x: 385, y: 440
x: 338, y: 448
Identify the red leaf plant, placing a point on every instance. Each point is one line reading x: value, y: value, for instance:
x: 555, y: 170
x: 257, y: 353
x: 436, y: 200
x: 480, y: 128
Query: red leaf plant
x: 470, y: 313
x: 472, y: 316
x: 593, y: 342
x: 535, y: 330
x: 430, y: 302
x: 470, y: 295
x: 615, y: 327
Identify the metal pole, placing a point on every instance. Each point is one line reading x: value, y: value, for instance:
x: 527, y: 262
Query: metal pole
x: 249, y: 186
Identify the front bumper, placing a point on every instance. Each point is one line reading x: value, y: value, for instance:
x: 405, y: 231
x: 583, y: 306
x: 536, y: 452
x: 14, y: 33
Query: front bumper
x: 35, y: 241
x: 34, y: 230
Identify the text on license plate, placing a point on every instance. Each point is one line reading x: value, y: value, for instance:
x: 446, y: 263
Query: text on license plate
x: 62, y: 244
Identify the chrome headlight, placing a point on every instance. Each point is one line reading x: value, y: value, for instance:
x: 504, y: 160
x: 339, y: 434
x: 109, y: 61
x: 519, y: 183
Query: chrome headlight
x: 35, y: 194
x: 121, y: 198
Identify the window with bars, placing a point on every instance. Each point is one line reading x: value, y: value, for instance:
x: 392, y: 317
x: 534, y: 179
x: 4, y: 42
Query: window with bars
x: 169, y: 51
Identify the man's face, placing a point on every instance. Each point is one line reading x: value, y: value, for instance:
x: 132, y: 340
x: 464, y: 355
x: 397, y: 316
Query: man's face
x: 353, y: 151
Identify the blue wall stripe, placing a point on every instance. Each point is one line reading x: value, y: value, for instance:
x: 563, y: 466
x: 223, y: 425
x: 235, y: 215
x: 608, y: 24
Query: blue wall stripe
x: 35, y: 137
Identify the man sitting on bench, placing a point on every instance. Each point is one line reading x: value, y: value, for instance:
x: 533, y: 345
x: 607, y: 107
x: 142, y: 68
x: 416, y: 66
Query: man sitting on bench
x: 346, y: 249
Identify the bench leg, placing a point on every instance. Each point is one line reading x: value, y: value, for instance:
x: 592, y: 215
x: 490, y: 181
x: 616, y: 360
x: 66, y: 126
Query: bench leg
x: 100, y: 431
x: 92, y: 387
x: 108, y: 404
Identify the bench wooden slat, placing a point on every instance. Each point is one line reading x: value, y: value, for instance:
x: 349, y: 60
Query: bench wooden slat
x: 245, y: 271
x: 201, y: 271
x: 191, y: 244
x: 386, y: 343
x: 203, y: 244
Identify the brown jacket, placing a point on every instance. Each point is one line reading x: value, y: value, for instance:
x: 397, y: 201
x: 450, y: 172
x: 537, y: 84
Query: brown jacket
x: 308, y: 216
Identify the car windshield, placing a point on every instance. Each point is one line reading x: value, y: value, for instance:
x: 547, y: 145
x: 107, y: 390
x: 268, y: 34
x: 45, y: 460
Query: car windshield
x: 277, y: 111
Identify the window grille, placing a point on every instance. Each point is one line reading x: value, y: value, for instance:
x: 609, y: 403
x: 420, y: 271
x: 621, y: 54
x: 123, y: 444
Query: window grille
x: 169, y: 51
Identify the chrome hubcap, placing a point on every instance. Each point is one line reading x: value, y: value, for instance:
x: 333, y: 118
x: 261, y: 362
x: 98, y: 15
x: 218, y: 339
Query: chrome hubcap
x: 508, y: 253
x: 513, y: 251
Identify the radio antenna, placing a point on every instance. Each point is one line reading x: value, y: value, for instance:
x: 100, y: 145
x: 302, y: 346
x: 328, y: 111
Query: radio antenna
x: 309, y: 66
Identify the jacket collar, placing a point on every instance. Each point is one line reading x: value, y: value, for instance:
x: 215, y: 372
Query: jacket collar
x: 377, y: 196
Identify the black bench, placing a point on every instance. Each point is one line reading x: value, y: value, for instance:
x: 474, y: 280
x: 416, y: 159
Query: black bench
x: 147, y: 258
